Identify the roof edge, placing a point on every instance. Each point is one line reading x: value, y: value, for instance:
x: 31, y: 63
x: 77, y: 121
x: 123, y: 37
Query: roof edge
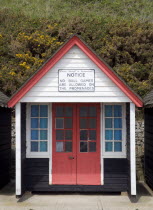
x: 74, y: 40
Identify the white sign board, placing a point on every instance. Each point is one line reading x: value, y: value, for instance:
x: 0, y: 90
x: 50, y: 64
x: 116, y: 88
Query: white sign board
x: 76, y: 80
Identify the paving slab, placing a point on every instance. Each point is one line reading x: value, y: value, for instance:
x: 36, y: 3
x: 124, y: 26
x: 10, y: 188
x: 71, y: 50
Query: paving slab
x: 75, y: 201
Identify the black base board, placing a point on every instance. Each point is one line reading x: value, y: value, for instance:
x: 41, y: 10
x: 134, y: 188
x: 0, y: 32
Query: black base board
x: 77, y: 188
x: 4, y: 182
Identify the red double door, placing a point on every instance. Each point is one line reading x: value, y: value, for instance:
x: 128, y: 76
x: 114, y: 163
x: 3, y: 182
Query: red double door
x: 76, y: 144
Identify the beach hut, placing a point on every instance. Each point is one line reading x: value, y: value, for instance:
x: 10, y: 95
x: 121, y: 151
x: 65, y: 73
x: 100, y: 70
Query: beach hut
x: 5, y: 140
x: 148, y: 141
x: 75, y: 126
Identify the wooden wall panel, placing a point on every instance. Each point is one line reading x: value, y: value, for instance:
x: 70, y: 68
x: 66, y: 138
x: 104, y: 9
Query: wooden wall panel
x: 47, y: 87
x: 37, y: 177
x: 5, y: 145
x: 148, y: 160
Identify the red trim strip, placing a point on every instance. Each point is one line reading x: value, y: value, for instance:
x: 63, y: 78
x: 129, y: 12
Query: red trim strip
x: 74, y: 41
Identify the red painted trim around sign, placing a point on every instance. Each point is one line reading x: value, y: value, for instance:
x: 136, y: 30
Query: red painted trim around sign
x: 74, y: 41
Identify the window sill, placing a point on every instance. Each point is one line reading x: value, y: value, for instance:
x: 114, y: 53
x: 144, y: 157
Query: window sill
x: 114, y: 156
x: 38, y: 155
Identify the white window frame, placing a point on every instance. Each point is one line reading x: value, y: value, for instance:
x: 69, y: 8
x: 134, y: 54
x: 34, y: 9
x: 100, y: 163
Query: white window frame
x: 30, y: 154
x: 113, y: 154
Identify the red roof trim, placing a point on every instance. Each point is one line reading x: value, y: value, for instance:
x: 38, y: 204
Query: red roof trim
x: 74, y: 41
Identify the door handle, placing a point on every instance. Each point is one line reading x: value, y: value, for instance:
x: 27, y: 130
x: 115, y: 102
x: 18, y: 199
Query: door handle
x: 71, y: 157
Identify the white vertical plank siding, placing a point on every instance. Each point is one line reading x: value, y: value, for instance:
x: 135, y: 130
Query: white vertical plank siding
x: 46, y: 90
x: 132, y: 149
x: 101, y: 144
x: 50, y: 143
x: 18, y: 147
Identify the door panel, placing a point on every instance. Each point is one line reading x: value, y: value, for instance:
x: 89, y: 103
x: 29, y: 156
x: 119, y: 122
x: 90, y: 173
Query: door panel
x: 64, y: 144
x: 88, y: 144
x: 76, y: 144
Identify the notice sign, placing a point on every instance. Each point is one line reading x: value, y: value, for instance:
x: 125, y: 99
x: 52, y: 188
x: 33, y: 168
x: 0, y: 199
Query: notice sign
x: 76, y: 80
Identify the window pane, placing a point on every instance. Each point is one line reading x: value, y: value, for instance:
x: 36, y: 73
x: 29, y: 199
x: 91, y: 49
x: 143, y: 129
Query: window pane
x: 108, y: 111
x: 92, y: 111
x: 43, y: 122
x: 118, y: 146
x: 68, y: 134
x: 68, y: 146
x: 108, y: 146
x: 34, y: 134
x: 43, y: 111
x: 59, y: 122
x: 83, y: 146
x: 43, y: 134
x: 83, y: 123
x: 60, y: 111
x: 68, y: 123
x: 59, y: 146
x: 43, y: 146
x: 59, y: 135
x: 83, y: 134
x: 92, y: 146
x: 34, y: 146
x: 108, y: 123
x: 117, y: 111
x: 34, y: 122
x: 118, y: 135
x: 68, y: 111
x: 92, y: 123
x: 38, y: 111
x: 34, y: 110
x: 83, y: 111
x: 117, y: 123
x: 92, y: 134
x: 108, y: 135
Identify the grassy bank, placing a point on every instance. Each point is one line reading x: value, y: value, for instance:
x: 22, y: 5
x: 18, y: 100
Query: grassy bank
x: 120, y: 31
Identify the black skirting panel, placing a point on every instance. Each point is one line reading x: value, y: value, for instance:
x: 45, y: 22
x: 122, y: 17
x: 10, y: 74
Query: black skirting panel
x: 148, y: 157
x: 5, y: 145
x: 37, y: 177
